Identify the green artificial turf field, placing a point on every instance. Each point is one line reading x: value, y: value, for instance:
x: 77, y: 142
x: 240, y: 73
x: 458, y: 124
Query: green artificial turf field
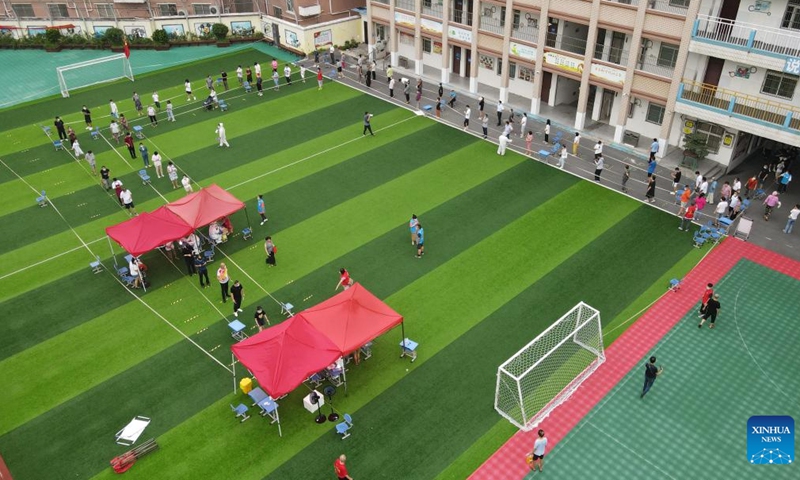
x: 512, y: 245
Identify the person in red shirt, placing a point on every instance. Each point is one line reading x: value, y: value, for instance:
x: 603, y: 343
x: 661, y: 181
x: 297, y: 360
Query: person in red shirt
x: 340, y: 469
x: 129, y: 144
x: 686, y: 221
x: 709, y: 292
x: 344, y: 280
x: 319, y: 78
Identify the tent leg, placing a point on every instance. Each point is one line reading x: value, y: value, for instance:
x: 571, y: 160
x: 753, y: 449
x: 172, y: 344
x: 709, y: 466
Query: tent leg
x: 113, y: 255
x: 247, y: 216
x: 344, y: 375
x: 233, y: 369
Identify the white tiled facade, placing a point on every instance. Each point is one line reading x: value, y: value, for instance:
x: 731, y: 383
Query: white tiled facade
x: 625, y: 63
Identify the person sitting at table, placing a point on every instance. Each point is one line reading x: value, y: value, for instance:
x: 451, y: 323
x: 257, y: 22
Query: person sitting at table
x: 137, y: 269
x: 226, y: 225
x: 215, y: 233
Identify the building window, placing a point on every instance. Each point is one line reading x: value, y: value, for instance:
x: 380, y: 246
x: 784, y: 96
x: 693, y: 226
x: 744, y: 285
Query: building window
x: 23, y: 10
x: 58, y: 10
x: 406, y: 39
x: 516, y: 18
x: 779, y: 84
x: 202, y: 8
x: 679, y: 3
x: 655, y: 113
x: 525, y: 73
x: 667, y: 55
x: 512, y: 70
x: 713, y: 134
x: 290, y: 5
x: 168, y: 9
x: 502, y: 17
x: 427, y: 45
x: 791, y: 19
x: 277, y: 12
x: 105, y: 10
x: 486, y: 62
x: 499, y: 66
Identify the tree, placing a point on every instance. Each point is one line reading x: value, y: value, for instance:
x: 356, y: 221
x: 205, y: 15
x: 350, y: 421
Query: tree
x: 220, y: 31
x: 160, y: 36
x: 695, y: 145
x: 114, y: 36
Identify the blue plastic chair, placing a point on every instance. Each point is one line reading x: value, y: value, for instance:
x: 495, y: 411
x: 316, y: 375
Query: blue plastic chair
x: 42, y: 199
x: 144, y: 176
x: 241, y: 412
x: 222, y: 105
x: 247, y: 87
x: 58, y: 145
x: 343, y: 428
x: 674, y: 284
x: 699, y: 240
x: 247, y: 233
x: 96, y: 133
x: 96, y: 266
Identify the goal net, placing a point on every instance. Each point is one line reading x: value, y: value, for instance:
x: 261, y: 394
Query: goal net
x: 545, y: 372
x: 91, y: 72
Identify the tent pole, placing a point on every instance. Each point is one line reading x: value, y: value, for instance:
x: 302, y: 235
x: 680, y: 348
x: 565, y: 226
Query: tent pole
x: 344, y: 373
x: 233, y: 368
x: 113, y: 255
x: 247, y: 216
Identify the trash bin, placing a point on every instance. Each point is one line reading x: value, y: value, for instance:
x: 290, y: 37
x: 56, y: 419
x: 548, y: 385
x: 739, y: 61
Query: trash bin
x: 631, y: 138
x: 246, y: 385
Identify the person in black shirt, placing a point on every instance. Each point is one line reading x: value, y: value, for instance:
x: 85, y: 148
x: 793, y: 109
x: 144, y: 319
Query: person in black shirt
x: 188, y: 257
x: 261, y: 318
x: 104, y: 175
x: 200, y: 264
x: 87, y: 117
x: 237, y: 295
x: 62, y: 133
x: 651, y: 371
x: 712, y: 307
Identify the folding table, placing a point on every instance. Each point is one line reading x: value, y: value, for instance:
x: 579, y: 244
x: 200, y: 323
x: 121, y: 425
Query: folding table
x: 128, y: 435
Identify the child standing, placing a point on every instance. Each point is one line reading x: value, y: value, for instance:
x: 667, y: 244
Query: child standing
x: 528, y: 141
x: 262, y: 210
x: 145, y: 156
x: 172, y: 173
x: 170, y: 113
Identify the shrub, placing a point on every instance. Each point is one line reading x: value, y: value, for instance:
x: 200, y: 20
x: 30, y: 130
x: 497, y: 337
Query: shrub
x: 220, y: 31
x: 52, y: 35
x: 114, y: 36
x: 160, y: 36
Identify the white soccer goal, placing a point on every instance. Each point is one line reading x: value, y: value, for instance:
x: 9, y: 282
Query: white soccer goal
x: 92, y: 72
x: 548, y: 370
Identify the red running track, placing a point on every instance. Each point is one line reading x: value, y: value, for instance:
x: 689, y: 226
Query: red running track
x: 628, y: 351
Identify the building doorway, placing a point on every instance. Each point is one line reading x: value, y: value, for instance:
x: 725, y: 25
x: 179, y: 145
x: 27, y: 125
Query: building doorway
x: 456, y: 61
x: 547, y: 80
x: 606, y: 105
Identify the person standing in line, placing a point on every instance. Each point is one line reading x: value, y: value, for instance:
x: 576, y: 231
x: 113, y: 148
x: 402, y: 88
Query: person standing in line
x: 287, y: 74
x: 344, y: 280
x: 260, y: 85
x: 389, y: 72
x: 726, y: 191
x: 62, y: 133
x: 127, y: 201
x: 419, y: 92
x: 367, y: 125
x: 537, y: 454
x: 391, y: 87
x: 547, y: 132
x: 76, y: 148
x: 721, y: 210
x: 528, y: 141
x: 157, y: 164
x: 522, y: 123
x: 750, y: 186
x: 770, y: 203
x: 340, y: 469
x: 793, y: 213
x: 87, y: 117
x: 651, y: 167
x: 412, y: 226
x: 113, y: 107
x: 104, y: 177
x: 676, y: 180
x: 500, y: 110
x: 129, y: 144
x: 172, y: 173
x: 156, y: 100
x: 201, y: 266
x: 248, y: 74
x: 91, y: 161
x: 650, y: 194
x: 508, y: 129
x: 707, y: 294
x: 481, y: 103
x: 651, y: 372
x: 712, y: 189
x: 467, y: 114
x: 137, y: 103
x: 275, y: 78
x: 187, y: 184
x: 187, y: 86
x: 261, y: 318
x: 503, y: 142
x: 439, y: 107
x: 115, y: 130
x: 686, y: 221
x: 333, y: 57
x: 763, y: 176
x: 262, y: 209
x: 222, y: 135
x: 303, y: 73
x: 319, y: 78
x: 598, y: 168
x: 370, y: 74
x: 144, y: 154
x: 72, y: 136
x: 784, y: 180
x: 151, y: 113
x: 237, y: 295
x: 654, y: 149
x: 562, y: 159
x: 485, y: 125
x: 223, y: 279
x: 626, y: 175
x: 270, y: 250
x: 407, y: 91
x: 712, y: 308
x: 686, y: 196
x: 240, y: 75
x: 703, y: 186
x: 576, y: 143
x: 420, y: 241
x: 598, y: 149
x: 188, y: 257
x: 441, y: 90
x: 224, y: 75
x: 170, y: 113
x: 700, y: 202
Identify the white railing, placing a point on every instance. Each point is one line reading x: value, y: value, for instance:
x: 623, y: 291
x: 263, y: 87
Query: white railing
x: 490, y: 24
x: 406, y: 5
x: 529, y: 34
x: 652, y: 65
x: 385, y: 2
x: 678, y: 7
x: 747, y: 35
x: 432, y: 10
x: 624, y: 2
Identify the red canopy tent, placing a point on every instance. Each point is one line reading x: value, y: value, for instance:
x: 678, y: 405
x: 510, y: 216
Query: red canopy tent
x: 352, y: 318
x: 283, y: 356
x: 148, y: 231
x: 201, y: 208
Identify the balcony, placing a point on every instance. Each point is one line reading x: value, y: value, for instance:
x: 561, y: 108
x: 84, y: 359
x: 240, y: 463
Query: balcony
x: 463, y: 17
x: 566, y: 42
x: 676, y: 7
x: 610, y: 54
x: 409, y: 5
x: 749, y: 37
x: 528, y: 34
x: 624, y: 2
x: 385, y: 2
x: 491, y: 24
x: 782, y: 120
x: 432, y: 9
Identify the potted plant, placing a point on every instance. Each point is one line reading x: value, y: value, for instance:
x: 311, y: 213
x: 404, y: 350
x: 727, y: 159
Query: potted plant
x: 695, y: 147
x: 220, y: 32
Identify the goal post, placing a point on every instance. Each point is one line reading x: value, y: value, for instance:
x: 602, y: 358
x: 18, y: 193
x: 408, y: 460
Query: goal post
x: 92, y: 72
x: 547, y: 371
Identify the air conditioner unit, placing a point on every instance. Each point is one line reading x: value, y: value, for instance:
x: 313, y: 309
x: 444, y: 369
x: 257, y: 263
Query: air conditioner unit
x: 214, y: 10
x: 309, y: 11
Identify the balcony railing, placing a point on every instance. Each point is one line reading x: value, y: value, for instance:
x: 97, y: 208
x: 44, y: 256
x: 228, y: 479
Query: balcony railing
x: 461, y: 16
x: 741, y: 105
x: 654, y: 66
x: 746, y: 36
x: 385, y: 2
x: 529, y: 34
x: 624, y: 2
x: 678, y: 7
x: 409, y: 5
x: 490, y: 24
x: 433, y: 9
x: 610, y: 54
x: 565, y: 42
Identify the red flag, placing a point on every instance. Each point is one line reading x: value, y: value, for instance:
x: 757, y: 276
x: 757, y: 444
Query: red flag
x: 125, y: 48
